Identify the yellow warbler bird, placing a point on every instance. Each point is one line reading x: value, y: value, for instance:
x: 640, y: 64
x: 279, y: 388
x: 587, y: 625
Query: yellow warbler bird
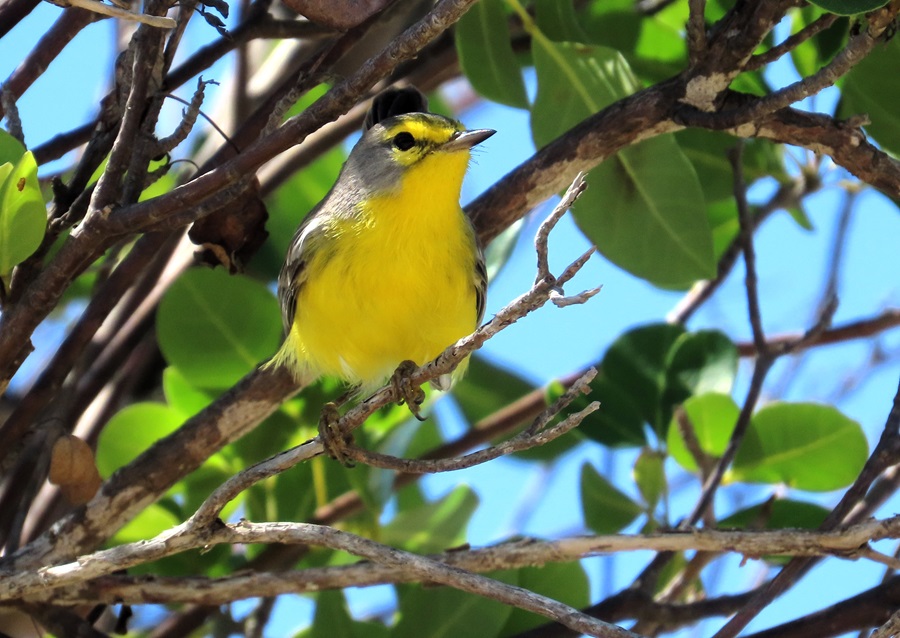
x: 386, y: 268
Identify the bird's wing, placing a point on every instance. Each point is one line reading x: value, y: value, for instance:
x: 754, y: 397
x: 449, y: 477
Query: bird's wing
x: 481, y: 282
x: 293, y: 272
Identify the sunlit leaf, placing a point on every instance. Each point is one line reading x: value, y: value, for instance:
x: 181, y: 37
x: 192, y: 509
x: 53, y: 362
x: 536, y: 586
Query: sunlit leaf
x: 650, y: 477
x: 712, y: 418
x: 23, y: 218
x: 807, y: 446
x: 131, y: 431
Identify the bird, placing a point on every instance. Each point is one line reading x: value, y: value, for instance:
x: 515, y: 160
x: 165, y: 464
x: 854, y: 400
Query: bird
x: 386, y: 272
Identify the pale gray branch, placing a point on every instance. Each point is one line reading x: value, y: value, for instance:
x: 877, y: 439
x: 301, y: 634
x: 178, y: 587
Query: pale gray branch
x: 72, y: 582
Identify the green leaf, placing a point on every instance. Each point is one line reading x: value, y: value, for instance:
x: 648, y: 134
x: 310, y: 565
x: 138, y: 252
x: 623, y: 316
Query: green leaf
x: 11, y: 149
x: 618, y: 422
x: 23, y: 218
x: 131, y: 431
x: 332, y: 616
x: 486, y: 388
x: 803, y: 445
x: 574, y: 82
x: 557, y: 20
x: 181, y: 395
x: 650, y: 477
x: 713, y: 417
x: 644, y: 208
x: 700, y: 362
x: 151, y: 521
x: 496, y: 255
x: 215, y: 328
x: 819, y: 50
x: 849, y: 7
x: 636, y: 363
x: 606, y: 509
x: 565, y: 582
x: 486, y: 55
x: 434, y: 526
x: 443, y: 612
x: 777, y: 514
x: 723, y: 219
x: 708, y: 153
x: 866, y: 91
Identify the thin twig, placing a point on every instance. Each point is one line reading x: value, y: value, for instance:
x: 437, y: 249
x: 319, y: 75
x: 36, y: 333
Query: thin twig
x: 746, y: 239
x: 532, y: 437
x: 791, y: 42
x: 541, y: 237
x: 115, y: 12
x: 859, y: 329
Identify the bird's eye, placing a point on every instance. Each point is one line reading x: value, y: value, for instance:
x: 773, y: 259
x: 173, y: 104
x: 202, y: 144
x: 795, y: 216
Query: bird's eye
x: 404, y: 141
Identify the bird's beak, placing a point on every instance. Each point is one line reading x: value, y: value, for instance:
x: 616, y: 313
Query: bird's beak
x: 467, y: 139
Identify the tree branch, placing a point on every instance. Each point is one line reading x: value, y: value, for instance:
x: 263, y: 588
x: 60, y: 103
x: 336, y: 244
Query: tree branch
x: 95, y: 573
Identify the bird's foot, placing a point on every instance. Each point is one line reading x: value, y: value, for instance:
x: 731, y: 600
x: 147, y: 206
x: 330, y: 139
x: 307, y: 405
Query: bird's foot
x: 335, y: 440
x: 409, y: 393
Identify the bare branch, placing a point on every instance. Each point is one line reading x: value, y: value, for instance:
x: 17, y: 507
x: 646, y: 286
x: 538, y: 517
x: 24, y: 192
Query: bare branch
x: 62, y: 583
x: 791, y: 42
x: 115, y: 12
x: 532, y: 437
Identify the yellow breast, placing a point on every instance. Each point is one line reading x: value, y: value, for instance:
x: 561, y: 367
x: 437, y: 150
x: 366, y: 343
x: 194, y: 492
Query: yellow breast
x: 395, y: 282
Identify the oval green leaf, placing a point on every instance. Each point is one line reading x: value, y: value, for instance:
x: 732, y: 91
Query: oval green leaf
x: 434, y: 526
x: 11, y: 149
x: 131, y: 431
x: 849, y: 7
x: 23, y: 218
x: 606, y: 510
x: 486, y: 55
x: 700, y: 362
x: 637, y: 364
x: 644, y: 208
x: 806, y: 446
x: 713, y: 417
x: 650, y: 477
x: 215, y: 328
x: 777, y: 514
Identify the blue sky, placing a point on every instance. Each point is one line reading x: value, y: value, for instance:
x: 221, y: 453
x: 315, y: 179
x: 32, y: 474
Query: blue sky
x: 515, y: 497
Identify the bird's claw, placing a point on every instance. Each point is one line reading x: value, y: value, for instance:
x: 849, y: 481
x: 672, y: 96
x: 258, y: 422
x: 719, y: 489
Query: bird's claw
x: 408, y: 392
x: 334, y: 439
